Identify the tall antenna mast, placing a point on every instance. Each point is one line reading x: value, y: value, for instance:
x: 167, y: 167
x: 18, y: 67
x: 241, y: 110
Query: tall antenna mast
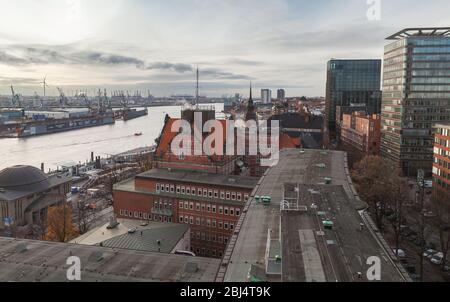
x: 197, y: 90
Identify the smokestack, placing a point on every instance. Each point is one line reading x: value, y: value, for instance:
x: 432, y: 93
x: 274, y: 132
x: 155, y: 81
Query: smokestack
x: 42, y: 167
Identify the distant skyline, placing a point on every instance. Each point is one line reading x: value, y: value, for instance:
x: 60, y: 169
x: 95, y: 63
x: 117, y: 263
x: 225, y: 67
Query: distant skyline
x: 156, y: 45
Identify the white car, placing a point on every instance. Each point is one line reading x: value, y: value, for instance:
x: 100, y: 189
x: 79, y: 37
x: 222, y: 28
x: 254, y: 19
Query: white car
x: 400, y: 253
x: 437, y: 259
x: 429, y: 254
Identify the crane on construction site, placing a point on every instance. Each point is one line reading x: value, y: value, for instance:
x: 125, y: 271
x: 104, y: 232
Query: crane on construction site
x: 62, y: 97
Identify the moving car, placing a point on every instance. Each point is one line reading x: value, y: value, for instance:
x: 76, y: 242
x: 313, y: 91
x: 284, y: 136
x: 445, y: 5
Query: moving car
x: 132, y: 231
x: 399, y: 253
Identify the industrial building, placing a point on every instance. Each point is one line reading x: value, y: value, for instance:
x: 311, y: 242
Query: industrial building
x: 26, y: 193
x: 416, y: 95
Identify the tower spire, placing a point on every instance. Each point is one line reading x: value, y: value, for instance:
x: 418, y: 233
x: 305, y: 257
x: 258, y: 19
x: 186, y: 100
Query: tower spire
x: 251, y: 92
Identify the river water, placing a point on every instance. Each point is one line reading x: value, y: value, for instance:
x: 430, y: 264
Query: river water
x: 76, y: 146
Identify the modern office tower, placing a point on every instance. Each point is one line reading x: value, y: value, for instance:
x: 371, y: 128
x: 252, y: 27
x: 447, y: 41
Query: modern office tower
x: 352, y: 82
x: 441, y: 165
x: 416, y: 95
x: 281, y: 94
x: 266, y: 96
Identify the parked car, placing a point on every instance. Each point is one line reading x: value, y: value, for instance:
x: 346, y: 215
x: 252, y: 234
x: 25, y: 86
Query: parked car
x: 429, y: 253
x: 399, y: 253
x: 437, y: 259
x: 132, y: 231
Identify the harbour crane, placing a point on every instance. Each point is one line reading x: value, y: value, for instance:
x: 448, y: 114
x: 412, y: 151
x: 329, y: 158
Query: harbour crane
x: 62, y: 97
x: 15, y: 99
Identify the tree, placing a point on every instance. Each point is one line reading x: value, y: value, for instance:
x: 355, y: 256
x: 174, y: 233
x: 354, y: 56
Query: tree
x: 59, y: 224
x: 373, y: 176
x: 398, y: 193
x: 441, y: 208
x: 83, y: 216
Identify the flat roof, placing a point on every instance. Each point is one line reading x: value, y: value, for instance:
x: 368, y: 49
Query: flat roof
x: 421, y: 32
x: 39, y: 261
x: 169, y: 235
x: 343, y: 251
x: 188, y: 176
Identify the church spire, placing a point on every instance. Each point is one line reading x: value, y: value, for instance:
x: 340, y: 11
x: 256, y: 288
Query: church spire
x: 251, y: 92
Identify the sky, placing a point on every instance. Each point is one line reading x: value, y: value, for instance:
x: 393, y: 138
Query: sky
x: 157, y: 45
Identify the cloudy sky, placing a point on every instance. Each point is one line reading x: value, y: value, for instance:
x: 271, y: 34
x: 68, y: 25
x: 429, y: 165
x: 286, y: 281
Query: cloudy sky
x: 156, y: 44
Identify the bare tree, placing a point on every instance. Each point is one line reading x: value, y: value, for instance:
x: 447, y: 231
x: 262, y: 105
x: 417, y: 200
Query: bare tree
x: 441, y: 208
x: 83, y: 216
x: 398, y: 192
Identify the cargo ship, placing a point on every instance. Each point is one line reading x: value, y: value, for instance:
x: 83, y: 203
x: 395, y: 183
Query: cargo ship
x: 49, y: 126
x: 130, y: 114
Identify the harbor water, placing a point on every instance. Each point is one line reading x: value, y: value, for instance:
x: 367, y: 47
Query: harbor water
x: 76, y: 146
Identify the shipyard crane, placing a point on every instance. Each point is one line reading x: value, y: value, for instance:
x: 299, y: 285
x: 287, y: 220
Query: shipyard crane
x: 15, y: 99
x: 62, y: 97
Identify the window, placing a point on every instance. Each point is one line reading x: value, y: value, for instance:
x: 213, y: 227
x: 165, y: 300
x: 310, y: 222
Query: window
x: 172, y: 189
x: 205, y: 193
x: 233, y: 196
x: 220, y: 239
x: 203, y: 207
x: 232, y: 212
x: 226, y: 211
x: 222, y: 195
x: 225, y: 226
x: 136, y: 215
x: 181, y: 219
x: 140, y: 215
x: 186, y: 205
x: 208, y: 208
x: 167, y: 188
x: 228, y: 195
x: 198, y: 237
x: 162, y: 188
x: 214, y: 209
x: 210, y: 193
x: 181, y: 205
x: 214, y: 224
x: 203, y: 236
x: 150, y: 217
x: 231, y: 226
x: 208, y: 222
x: 183, y: 190
x: 246, y: 197
x: 225, y: 240
x: 193, y: 191
x: 121, y: 212
x: 178, y: 190
x: 158, y: 188
x: 188, y: 191
x: 197, y: 207
x: 199, y: 192
x: 186, y: 219
x: 220, y: 210
x: 191, y: 206
x: 239, y: 197
x: 220, y: 225
x: 191, y: 220
x: 216, y: 194
x: 238, y: 212
x: 197, y: 221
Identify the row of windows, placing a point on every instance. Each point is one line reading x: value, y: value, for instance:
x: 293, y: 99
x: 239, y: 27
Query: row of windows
x: 208, y: 208
x: 144, y: 216
x: 207, y: 252
x: 210, y: 223
x: 201, y: 192
x: 209, y: 237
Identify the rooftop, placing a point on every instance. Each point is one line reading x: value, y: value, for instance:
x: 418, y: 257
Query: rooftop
x: 309, y: 253
x: 421, y: 32
x: 38, y: 261
x: 245, y: 182
x: 169, y: 236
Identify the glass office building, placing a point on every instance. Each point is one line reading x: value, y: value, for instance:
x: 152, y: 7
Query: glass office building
x: 416, y: 96
x: 352, y: 82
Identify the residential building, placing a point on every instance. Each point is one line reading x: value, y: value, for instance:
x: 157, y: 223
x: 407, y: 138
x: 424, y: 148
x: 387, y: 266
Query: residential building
x: 416, y: 95
x: 266, y: 96
x: 441, y: 165
x: 361, y: 134
x: 281, y: 94
x: 352, y: 82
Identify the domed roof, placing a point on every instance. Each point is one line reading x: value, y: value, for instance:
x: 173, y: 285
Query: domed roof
x: 18, y: 176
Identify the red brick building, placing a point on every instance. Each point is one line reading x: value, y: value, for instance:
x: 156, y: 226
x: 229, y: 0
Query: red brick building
x: 362, y: 132
x: 209, y: 203
x: 441, y: 164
